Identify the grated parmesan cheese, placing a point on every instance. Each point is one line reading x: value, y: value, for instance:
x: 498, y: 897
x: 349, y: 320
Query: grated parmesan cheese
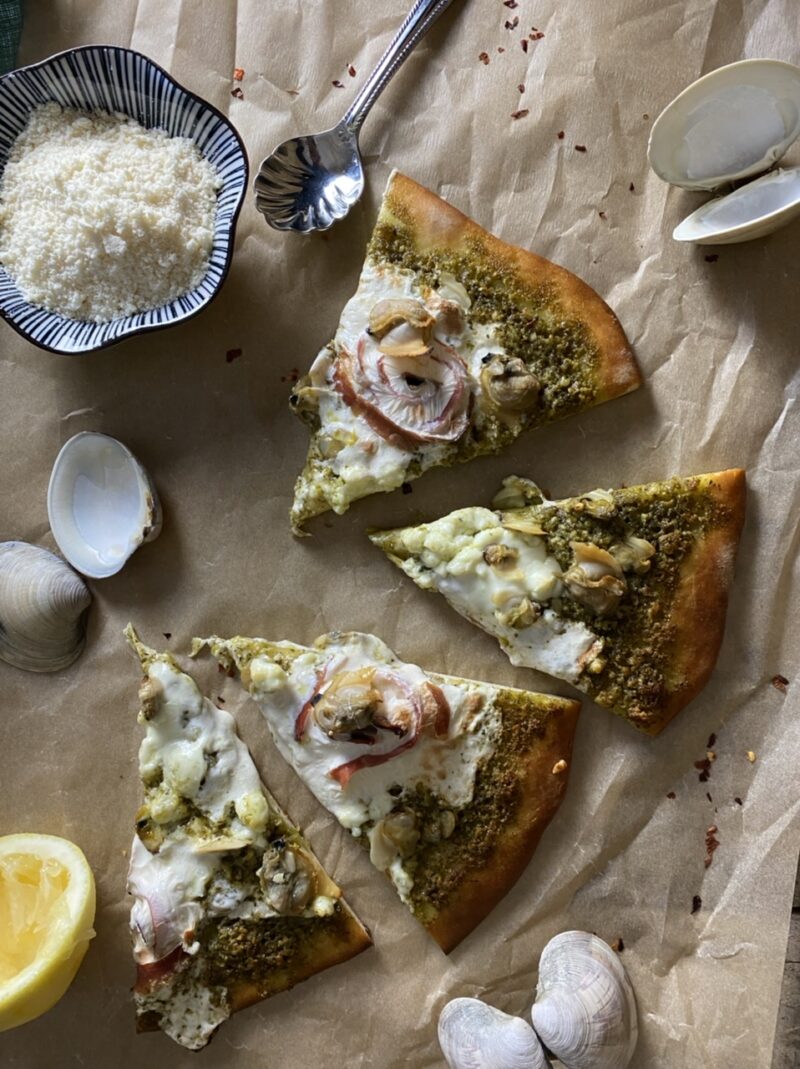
x: 102, y: 218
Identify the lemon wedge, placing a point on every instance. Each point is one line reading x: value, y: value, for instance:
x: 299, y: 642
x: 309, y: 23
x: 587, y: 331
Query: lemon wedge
x: 47, y: 902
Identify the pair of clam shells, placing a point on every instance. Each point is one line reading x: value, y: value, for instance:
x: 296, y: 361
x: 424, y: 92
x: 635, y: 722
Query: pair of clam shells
x: 584, y: 1015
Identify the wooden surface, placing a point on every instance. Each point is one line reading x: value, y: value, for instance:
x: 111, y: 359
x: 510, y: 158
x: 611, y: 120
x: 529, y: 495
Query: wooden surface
x: 787, y: 1037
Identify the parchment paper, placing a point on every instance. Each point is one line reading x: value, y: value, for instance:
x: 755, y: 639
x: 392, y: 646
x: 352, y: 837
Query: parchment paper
x: 717, y: 341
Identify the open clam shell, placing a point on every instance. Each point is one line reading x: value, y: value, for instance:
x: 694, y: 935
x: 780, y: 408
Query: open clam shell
x: 102, y: 504
x: 752, y: 211
x: 731, y: 124
x: 43, y: 609
x: 585, y: 1009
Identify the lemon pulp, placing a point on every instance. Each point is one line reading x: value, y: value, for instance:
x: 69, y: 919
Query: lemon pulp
x: 32, y: 909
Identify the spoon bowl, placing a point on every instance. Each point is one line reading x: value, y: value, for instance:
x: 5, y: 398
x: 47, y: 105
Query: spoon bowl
x: 310, y: 182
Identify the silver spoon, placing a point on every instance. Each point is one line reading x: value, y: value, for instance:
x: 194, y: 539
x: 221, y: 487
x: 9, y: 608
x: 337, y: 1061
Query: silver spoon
x: 309, y: 182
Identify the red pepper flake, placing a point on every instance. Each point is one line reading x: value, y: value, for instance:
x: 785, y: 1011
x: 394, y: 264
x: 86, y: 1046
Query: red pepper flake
x: 704, y: 768
x: 167, y: 635
x: 501, y: 50
x: 738, y: 800
x: 407, y: 488
x: 602, y: 215
x: 238, y: 73
x: 712, y: 258
x: 511, y: 4
x: 231, y: 355
x: 712, y: 842
x: 537, y: 35
x: 708, y: 796
x: 483, y: 57
x: 237, y: 93
x: 580, y: 148
x: 352, y: 71
x: 780, y: 683
x: 521, y: 87
x: 511, y: 24
x: 618, y: 945
x: 337, y: 84
x: 521, y: 113
x: 712, y: 738
x: 672, y: 795
x: 697, y: 903
x: 560, y: 135
x: 632, y: 187
x: 293, y: 376
x: 221, y: 699
x: 524, y: 44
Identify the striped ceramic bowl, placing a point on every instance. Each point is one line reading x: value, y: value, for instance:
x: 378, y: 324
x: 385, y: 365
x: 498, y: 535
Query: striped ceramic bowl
x: 107, y: 78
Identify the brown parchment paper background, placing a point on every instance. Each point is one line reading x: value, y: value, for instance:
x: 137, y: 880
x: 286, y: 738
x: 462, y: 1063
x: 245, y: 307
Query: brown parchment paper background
x: 717, y: 342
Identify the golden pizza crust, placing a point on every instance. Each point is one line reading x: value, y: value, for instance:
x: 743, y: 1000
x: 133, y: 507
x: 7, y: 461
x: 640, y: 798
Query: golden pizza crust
x: 697, y: 613
x: 542, y: 782
x: 437, y: 224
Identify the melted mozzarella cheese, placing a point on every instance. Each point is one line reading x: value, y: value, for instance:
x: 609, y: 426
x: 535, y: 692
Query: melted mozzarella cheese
x: 363, y: 461
x: 448, y: 555
x: 446, y: 766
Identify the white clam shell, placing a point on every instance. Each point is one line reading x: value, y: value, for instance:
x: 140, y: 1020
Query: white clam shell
x: 101, y: 503
x: 752, y: 211
x: 473, y: 1035
x: 731, y: 124
x: 43, y: 606
x: 585, y: 1010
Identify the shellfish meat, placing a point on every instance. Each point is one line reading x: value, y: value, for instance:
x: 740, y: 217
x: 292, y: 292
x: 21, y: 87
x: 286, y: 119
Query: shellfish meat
x: 43, y: 608
x: 473, y: 1035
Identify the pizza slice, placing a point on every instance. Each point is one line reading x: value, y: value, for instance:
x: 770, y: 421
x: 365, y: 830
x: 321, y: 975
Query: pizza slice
x: 449, y: 783
x: 453, y: 345
x: 230, y: 905
x: 622, y: 593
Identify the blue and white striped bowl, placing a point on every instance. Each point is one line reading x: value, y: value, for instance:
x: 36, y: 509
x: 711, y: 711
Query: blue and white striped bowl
x: 107, y: 78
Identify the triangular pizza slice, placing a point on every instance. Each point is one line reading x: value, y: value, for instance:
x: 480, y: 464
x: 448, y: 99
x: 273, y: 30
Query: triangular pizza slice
x: 622, y: 593
x: 448, y: 782
x: 453, y: 345
x: 230, y: 904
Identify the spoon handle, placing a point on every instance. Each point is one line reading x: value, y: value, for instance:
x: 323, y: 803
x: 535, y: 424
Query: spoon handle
x: 419, y: 20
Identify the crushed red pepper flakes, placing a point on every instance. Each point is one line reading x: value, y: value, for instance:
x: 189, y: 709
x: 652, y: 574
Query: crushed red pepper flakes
x: 524, y: 44
x: 407, y: 488
x: 560, y: 135
x: 237, y: 93
x: 780, y: 683
x: 712, y: 258
x: 293, y: 376
x: 483, y: 57
x: 708, y: 796
x: 537, y: 35
x: 704, y: 768
x: 511, y: 4
x: 238, y: 73
x: 231, y: 355
x: 501, y: 50
x: 580, y: 148
x: 672, y: 795
x: 352, y: 71
x: 738, y: 800
x: 712, y: 738
x: 712, y: 842
x: 618, y: 945
x: 602, y: 215
x: 511, y: 24
x: 521, y: 113
x: 167, y: 635
x: 221, y: 699
x: 697, y: 902
x: 632, y: 188
x: 645, y: 116
x: 337, y: 84
x: 521, y: 87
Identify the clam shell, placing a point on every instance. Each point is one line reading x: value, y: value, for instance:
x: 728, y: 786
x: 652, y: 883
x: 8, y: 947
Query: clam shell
x: 43, y: 608
x: 473, y: 1035
x: 752, y: 211
x: 102, y: 504
x: 735, y: 122
x: 585, y: 1010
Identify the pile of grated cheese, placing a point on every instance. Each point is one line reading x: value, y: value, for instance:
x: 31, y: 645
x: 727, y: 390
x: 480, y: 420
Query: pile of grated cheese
x: 102, y: 218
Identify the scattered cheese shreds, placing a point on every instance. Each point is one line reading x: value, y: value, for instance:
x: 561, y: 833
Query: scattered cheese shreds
x: 102, y: 218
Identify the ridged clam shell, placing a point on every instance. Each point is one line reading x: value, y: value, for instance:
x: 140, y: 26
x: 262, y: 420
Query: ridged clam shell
x: 473, y: 1035
x: 43, y: 606
x: 585, y: 1010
